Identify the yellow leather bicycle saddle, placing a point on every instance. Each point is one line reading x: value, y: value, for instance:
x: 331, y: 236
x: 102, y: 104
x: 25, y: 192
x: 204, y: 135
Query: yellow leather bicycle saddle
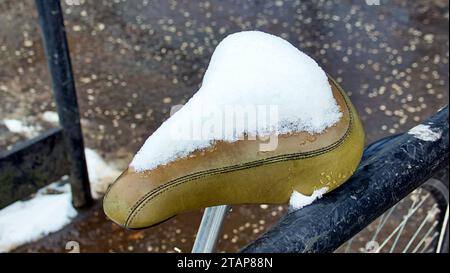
x: 236, y: 173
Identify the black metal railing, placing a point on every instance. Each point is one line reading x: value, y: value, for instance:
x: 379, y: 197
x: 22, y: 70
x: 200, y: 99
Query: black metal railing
x: 40, y: 161
x: 59, y: 64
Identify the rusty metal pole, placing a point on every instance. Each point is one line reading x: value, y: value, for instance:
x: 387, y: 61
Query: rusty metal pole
x: 59, y: 64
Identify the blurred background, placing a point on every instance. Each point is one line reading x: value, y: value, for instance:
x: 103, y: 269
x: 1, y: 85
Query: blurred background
x: 134, y: 59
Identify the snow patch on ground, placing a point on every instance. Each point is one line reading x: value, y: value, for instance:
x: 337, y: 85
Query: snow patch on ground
x: 51, y: 117
x: 298, y: 200
x: 101, y: 173
x: 50, y: 209
x: 24, y: 221
x: 249, y: 68
x: 18, y: 127
x: 424, y: 132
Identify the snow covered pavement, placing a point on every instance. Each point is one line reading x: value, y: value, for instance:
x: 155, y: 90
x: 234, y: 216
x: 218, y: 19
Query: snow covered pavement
x: 50, y: 209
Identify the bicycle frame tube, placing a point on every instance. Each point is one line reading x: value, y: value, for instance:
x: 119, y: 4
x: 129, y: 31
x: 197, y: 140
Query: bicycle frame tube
x: 382, y: 180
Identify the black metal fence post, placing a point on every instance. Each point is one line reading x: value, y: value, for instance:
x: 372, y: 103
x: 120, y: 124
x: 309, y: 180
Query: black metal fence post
x: 59, y: 64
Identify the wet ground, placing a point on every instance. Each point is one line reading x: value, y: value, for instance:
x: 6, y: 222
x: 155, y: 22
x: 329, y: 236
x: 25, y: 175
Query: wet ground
x: 133, y: 60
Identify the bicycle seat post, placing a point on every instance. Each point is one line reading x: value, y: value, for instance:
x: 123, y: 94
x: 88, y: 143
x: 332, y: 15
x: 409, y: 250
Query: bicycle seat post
x: 209, y: 230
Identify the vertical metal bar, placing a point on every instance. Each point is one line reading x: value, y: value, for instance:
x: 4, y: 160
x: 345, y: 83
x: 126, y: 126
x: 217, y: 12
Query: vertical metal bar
x: 209, y: 230
x: 58, y: 59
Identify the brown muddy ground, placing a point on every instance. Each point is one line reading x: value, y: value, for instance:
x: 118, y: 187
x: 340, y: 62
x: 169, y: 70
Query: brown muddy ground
x: 133, y: 60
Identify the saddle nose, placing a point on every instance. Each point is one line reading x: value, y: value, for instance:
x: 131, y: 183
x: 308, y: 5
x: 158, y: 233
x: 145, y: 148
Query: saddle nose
x: 123, y: 197
x: 115, y: 208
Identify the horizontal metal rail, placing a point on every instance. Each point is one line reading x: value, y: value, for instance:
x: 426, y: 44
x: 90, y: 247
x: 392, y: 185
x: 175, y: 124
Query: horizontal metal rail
x: 383, y: 178
x: 31, y: 165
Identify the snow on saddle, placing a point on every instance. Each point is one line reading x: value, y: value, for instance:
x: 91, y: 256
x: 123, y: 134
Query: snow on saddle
x: 317, y: 135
